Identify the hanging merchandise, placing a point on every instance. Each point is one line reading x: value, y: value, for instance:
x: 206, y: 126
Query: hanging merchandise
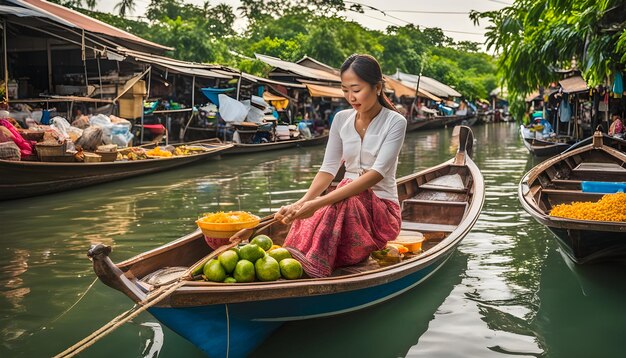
x: 603, y: 106
x: 618, y: 85
x: 565, y: 111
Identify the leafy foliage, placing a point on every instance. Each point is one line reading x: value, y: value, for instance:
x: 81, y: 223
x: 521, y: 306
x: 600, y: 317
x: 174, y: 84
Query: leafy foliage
x: 292, y: 29
x: 535, y: 37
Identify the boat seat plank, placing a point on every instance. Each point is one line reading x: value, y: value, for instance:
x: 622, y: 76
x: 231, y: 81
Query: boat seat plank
x: 437, y: 196
x: 436, y: 202
x: 594, y: 167
x: 429, y: 186
x: 427, y: 227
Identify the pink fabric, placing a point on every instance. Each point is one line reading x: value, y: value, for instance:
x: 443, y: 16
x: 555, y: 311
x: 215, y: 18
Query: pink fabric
x: 344, y: 233
x: 26, y: 148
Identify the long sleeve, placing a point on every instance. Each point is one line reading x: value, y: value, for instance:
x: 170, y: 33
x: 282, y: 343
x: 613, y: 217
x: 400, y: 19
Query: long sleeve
x: 390, y: 149
x: 334, y: 148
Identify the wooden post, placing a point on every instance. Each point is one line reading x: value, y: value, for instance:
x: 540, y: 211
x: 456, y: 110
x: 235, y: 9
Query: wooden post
x: 6, y: 64
x: 49, y: 58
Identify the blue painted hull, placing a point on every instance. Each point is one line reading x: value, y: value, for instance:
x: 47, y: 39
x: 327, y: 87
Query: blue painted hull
x: 236, y: 329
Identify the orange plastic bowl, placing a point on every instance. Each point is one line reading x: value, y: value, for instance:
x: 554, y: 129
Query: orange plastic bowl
x: 226, y: 230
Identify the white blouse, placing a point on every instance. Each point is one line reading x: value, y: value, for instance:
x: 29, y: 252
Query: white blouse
x: 377, y: 151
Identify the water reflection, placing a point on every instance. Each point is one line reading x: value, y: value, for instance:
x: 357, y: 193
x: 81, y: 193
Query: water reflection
x: 582, y: 309
x: 506, y: 291
x: 386, y: 330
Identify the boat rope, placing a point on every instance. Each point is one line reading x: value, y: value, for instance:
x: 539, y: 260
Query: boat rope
x: 116, y: 322
x: 158, y: 295
x: 75, y: 303
x: 227, y: 331
x: 66, y: 310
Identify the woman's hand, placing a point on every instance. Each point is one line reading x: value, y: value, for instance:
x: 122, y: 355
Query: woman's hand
x: 299, y: 210
x: 307, y: 209
x: 287, y: 212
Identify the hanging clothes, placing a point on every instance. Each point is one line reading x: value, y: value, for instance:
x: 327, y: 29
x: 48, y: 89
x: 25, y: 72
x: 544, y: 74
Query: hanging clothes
x: 618, y: 85
x: 565, y: 111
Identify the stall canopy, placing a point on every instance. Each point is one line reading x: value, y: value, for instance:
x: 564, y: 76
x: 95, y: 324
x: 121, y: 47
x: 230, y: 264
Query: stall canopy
x: 324, y: 91
x: 72, y: 18
x: 574, y: 84
x: 178, y: 66
x: 431, y: 85
x: 272, y: 97
x: 285, y: 68
x: 400, y: 89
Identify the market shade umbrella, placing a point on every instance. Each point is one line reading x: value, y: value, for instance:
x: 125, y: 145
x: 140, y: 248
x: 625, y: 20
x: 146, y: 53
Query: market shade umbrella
x: 324, y: 91
x: 272, y: 97
x: 532, y: 96
x: 401, y: 89
x: 573, y: 84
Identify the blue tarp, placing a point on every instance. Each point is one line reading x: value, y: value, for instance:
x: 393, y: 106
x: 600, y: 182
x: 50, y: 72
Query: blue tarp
x: 212, y: 93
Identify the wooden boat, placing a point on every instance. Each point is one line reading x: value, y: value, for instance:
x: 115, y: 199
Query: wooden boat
x: 21, y: 179
x: 442, y: 202
x: 613, y: 142
x: 544, y: 148
x: 558, y: 180
x: 436, y: 122
x: 241, y: 148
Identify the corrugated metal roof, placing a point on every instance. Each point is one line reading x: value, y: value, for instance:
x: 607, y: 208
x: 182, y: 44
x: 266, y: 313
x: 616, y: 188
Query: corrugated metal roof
x: 183, y: 67
x: 67, y: 16
x: 429, y: 84
x: 297, y: 69
x: 573, y: 84
x: 272, y: 82
x: 310, y: 62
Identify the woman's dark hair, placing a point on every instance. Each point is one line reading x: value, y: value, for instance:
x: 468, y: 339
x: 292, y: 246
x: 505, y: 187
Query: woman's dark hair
x: 368, y: 69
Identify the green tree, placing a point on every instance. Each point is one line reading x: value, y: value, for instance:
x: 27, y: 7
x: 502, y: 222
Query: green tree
x: 535, y: 37
x: 125, y: 7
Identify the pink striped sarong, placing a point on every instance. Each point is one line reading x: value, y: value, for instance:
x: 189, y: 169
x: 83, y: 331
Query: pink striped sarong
x: 344, y: 233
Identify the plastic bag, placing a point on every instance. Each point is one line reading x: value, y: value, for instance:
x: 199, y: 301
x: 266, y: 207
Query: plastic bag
x: 232, y: 110
x: 91, y: 138
x: 62, y: 126
x: 255, y: 115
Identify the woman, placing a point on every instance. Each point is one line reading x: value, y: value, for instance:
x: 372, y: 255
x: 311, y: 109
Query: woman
x: 343, y: 227
x: 616, y: 129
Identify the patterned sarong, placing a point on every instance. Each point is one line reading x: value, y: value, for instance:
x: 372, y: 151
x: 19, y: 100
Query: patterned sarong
x: 344, y: 233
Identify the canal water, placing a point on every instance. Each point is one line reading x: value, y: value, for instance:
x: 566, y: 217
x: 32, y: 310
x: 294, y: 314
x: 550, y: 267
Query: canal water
x: 507, y: 291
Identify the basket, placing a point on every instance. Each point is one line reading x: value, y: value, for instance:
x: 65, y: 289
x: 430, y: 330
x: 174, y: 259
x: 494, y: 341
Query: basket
x: 50, y: 150
x: 92, y: 158
x: 107, y: 156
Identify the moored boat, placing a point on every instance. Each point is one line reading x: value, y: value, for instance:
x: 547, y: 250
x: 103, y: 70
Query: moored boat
x: 241, y: 148
x: 560, y: 180
x: 544, y: 148
x: 442, y: 203
x: 21, y: 179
